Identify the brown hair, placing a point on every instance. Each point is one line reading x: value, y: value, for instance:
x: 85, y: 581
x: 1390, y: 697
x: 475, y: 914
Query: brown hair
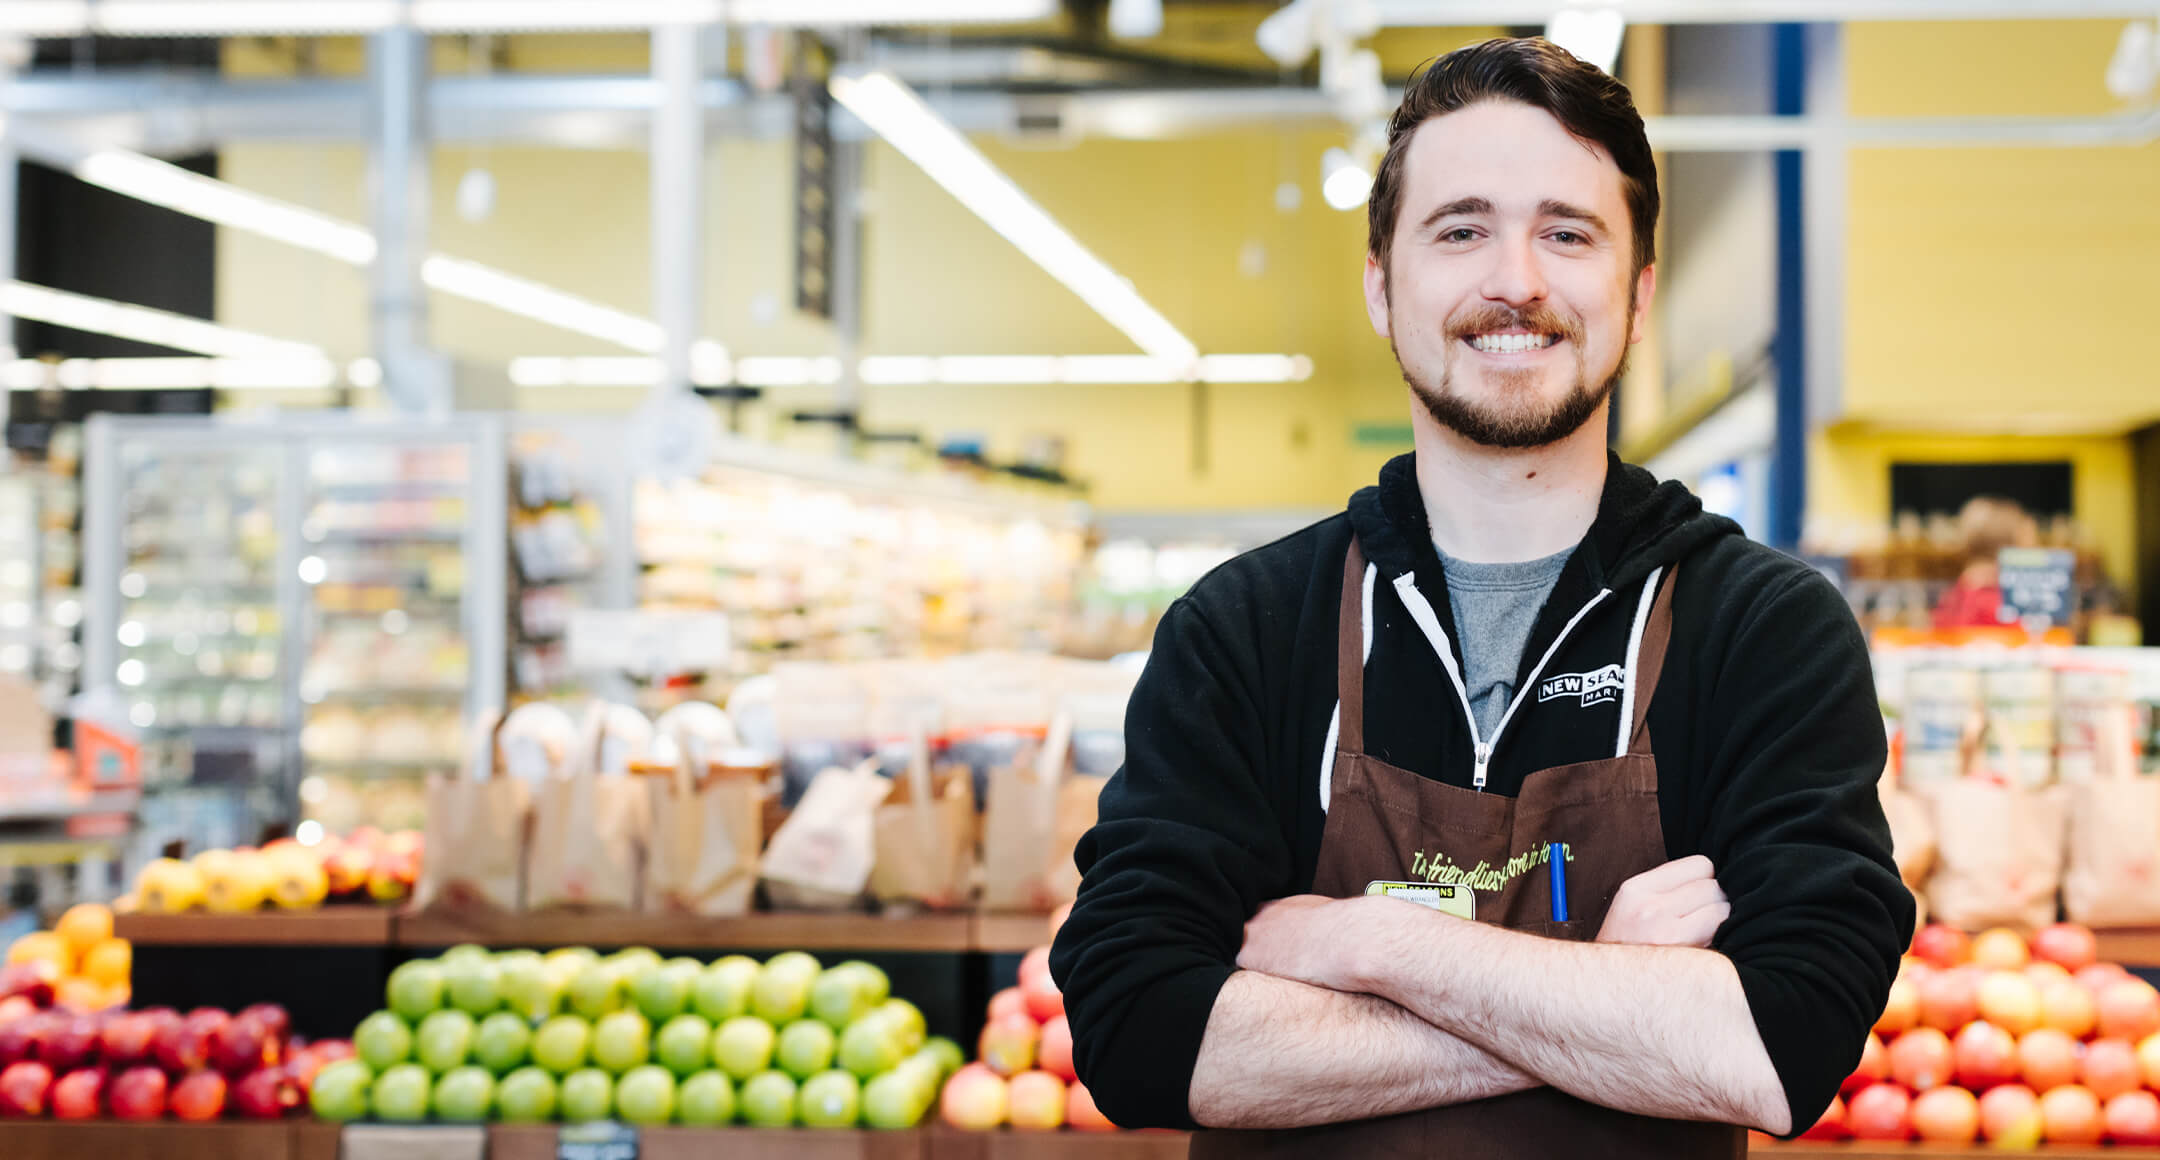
x: 1583, y: 98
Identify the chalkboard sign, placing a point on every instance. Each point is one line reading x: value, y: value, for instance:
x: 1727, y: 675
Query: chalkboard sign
x: 600, y: 1140
x: 2036, y: 586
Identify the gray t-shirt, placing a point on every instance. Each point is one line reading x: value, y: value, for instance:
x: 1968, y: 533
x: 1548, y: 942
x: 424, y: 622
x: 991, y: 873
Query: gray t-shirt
x: 1495, y: 606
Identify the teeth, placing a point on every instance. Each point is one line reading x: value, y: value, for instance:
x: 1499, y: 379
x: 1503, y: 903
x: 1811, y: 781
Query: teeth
x: 1511, y: 343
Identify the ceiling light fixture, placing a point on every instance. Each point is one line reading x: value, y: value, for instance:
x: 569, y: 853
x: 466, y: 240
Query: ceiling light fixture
x: 1344, y: 184
x: 924, y: 370
x: 142, y: 324
x: 1591, y: 34
x: 304, y: 17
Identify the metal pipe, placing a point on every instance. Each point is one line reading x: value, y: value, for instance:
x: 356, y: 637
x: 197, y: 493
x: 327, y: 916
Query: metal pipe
x: 678, y: 174
x: 397, y: 306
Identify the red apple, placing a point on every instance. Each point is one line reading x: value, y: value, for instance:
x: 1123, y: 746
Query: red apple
x: 2000, y: 949
x: 2071, y: 1115
x: 70, y: 1042
x: 2099, y: 975
x: 1949, y: 1000
x: 139, y: 1094
x: 2129, y: 1009
x: 33, y: 979
x: 1873, y: 1068
x: 267, y: 1094
x: 1009, y: 1001
x: 348, y: 868
x: 1901, y: 1012
x: 1881, y: 1112
x: 2110, y: 1068
x: 239, y: 1046
x: 1081, y: 1114
x: 275, y: 1021
x: 79, y: 1095
x: 2010, y: 1118
x: 18, y: 1039
x: 2148, y: 1054
x: 2069, y: 1008
x: 24, y: 1089
x: 184, y: 1046
x: 2047, y: 1059
x: 1044, y: 1001
x: 2043, y: 974
x: 975, y: 1099
x: 1947, y: 1115
x: 1008, y: 1045
x: 1985, y: 1055
x: 1055, y: 1053
x: 16, y: 1007
x: 2133, y: 1118
x: 2009, y: 1001
x: 126, y: 1039
x: 199, y: 1096
x: 1921, y: 1059
x: 1942, y: 946
x: 1831, y: 1124
x: 2066, y: 944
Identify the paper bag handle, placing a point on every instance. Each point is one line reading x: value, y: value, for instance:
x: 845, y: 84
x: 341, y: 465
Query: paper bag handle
x: 483, y: 749
x: 1050, y: 760
x: 1972, y: 747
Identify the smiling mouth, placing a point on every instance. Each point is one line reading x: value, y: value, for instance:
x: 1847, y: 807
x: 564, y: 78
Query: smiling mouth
x: 1511, y: 342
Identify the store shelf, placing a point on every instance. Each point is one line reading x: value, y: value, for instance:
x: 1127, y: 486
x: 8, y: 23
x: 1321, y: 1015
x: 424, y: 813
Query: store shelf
x: 345, y: 925
x: 2130, y: 946
x: 1875, y: 1150
x: 60, y: 806
x: 943, y: 1143
x: 943, y: 933
x: 1010, y: 933
x: 537, y: 1142
x: 149, y: 1140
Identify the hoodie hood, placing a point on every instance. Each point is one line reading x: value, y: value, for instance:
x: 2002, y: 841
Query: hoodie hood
x: 1641, y: 524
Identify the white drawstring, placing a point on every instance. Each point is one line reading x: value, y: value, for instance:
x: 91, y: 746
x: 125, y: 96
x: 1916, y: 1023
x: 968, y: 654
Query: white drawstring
x: 1634, y: 649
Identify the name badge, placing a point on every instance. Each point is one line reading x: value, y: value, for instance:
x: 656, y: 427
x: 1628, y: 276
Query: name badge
x: 1447, y: 898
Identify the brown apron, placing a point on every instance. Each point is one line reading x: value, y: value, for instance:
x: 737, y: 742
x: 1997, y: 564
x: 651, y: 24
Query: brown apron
x: 1388, y: 824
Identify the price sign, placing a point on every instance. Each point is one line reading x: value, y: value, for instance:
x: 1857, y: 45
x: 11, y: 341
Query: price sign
x: 653, y: 643
x: 2037, y: 586
x: 599, y: 1140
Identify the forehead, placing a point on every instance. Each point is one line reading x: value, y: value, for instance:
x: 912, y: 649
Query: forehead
x: 1513, y: 155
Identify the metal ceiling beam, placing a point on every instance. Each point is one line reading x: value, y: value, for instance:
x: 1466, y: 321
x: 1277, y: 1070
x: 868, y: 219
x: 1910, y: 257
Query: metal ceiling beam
x: 1454, y: 13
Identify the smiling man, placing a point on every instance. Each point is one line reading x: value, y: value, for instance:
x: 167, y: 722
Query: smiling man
x: 1523, y: 809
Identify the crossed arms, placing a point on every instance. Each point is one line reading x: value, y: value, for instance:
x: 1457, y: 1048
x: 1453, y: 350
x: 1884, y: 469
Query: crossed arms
x: 1338, y: 1012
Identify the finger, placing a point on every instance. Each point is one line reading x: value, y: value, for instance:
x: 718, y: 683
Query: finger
x: 1692, y: 896
x: 1678, y: 872
x: 1702, y: 925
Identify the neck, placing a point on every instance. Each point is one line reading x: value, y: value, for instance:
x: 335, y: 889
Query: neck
x: 1494, y: 506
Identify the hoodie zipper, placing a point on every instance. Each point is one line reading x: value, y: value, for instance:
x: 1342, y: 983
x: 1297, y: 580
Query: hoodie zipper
x: 1421, y: 611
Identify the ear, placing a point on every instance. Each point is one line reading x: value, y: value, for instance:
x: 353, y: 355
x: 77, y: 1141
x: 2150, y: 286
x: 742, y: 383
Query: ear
x: 1645, y: 290
x: 1376, y: 306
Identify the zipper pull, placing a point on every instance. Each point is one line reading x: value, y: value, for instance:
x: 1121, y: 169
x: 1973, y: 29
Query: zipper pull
x: 1484, y: 758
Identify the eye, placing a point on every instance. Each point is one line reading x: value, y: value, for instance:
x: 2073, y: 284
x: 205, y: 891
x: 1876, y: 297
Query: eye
x: 1569, y: 237
x: 1458, y: 234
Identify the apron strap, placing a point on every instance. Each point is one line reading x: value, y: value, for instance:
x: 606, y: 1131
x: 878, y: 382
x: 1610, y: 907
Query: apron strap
x: 1350, y: 654
x: 1649, y: 663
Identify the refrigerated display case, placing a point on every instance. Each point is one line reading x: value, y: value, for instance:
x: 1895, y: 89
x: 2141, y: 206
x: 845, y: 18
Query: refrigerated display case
x: 569, y: 548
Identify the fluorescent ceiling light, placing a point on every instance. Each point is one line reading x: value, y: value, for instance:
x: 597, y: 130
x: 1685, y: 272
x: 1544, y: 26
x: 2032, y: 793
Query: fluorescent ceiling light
x: 208, y: 17
x: 1255, y: 368
x: 1591, y: 34
x: 543, y: 303
x: 922, y: 370
x: 894, y: 112
x: 159, y: 183
x: 142, y: 324
x: 170, y: 373
x: 265, y: 17
x: 44, y: 17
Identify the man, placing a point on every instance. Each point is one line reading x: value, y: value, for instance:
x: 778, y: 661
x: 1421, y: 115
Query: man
x: 1517, y: 682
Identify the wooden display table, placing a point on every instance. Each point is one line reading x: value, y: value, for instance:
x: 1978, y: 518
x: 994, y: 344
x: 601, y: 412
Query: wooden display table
x: 150, y: 1140
x: 779, y: 931
x: 354, y: 925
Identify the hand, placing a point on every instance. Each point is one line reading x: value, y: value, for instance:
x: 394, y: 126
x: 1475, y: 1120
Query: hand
x: 1305, y: 938
x: 1678, y: 904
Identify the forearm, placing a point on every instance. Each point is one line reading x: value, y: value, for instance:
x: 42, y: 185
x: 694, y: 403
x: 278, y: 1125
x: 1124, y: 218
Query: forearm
x: 1283, y: 1054
x: 1659, y: 1031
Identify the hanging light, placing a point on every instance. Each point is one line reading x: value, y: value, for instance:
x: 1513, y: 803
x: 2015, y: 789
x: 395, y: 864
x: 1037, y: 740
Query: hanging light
x: 1344, y: 184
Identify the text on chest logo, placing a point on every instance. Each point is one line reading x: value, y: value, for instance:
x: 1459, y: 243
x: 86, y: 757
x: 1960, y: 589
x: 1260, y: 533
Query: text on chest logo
x: 1438, y: 867
x: 1592, y: 688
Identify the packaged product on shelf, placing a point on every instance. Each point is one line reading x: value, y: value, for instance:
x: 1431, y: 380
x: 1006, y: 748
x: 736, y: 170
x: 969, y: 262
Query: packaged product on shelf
x: 2020, y: 701
x: 2086, y: 699
x: 476, y: 824
x: 707, y: 828
x: 1020, y: 824
x: 590, y: 819
x: 822, y: 712
x: 1999, y: 846
x: 2114, y: 835
x: 925, y: 835
x: 821, y: 857
x: 1939, y: 707
x: 997, y: 711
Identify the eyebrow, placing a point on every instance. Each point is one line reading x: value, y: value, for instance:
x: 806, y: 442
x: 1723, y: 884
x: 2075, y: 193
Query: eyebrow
x: 1550, y: 207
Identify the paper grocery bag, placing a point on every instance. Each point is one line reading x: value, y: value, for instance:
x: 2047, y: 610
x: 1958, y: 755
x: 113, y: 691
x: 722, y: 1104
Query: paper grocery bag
x: 925, y: 835
x: 588, y: 830
x: 2113, y: 879
x: 1075, y: 817
x: 476, y: 831
x: 821, y: 856
x: 1020, y: 816
x: 701, y: 853
x: 1999, y: 848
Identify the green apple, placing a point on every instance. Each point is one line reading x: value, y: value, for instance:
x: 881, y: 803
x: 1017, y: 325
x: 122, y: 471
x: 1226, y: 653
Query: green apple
x: 473, y: 985
x: 871, y: 1045
x: 587, y: 1094
x: 806, y: 1048
x: 780, y: 997
x: 620, y: 1041
x: 464, y: 952
x: 830, y: 1099
x: 401, y: 1094
x: 382, y: 1039
x: 948, y: 1054
x: 840, y: 996
x: 768, y: 1100
x: 525, y: 955
x: 684, y: 1044
x: 502, y: 1042
x: 722, y: 990
x: 562, y: 1043
x: 875, y: 982
x: 664, y: 992
x: 642, y: 956
x: 892, y: 1101
x: 444, y: 1040
x: 646, y: 1095
x: 597, y: 990
x: 564, y: 963
x: 340, y: 1091
x: 920, y: 1072
x: 706, y: 1100
x: 526, y: 1096
x: 527, y: 988
x: 743, y: 1046
x: 801, y: 963
x: 415, y: 990
x: 908, y: 1020
x: 464, y: 1094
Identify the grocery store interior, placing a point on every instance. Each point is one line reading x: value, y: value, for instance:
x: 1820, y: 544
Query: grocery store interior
x: 513, y: 505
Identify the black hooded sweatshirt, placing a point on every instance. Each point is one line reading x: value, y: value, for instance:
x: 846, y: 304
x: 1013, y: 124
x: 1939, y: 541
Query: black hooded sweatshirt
x: 1768, y: 735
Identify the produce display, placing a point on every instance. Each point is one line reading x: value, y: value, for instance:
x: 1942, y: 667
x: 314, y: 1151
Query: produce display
x: 1023, y: 1073
x: 521, y: 1037
x: 1991, y: 1037
x: 147, y: 1065
x: 77, y: 966
x: 367, y: 865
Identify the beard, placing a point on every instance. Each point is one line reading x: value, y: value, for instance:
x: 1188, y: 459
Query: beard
x: 1517, y: 419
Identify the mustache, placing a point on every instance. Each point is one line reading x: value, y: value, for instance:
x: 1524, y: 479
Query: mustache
x: 1486, y: 319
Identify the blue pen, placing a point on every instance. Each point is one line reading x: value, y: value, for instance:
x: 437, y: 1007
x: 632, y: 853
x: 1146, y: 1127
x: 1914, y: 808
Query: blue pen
x: 1556, y: 863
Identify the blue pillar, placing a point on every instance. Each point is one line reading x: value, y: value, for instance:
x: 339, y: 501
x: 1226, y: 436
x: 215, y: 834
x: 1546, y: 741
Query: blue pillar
x: 1788, y: 464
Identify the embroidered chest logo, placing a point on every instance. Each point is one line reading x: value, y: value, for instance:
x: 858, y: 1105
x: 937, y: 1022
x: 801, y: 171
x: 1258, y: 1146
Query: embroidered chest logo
x: 1592, y: 688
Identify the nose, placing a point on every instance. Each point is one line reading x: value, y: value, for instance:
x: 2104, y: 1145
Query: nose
x: 1514, y: 277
